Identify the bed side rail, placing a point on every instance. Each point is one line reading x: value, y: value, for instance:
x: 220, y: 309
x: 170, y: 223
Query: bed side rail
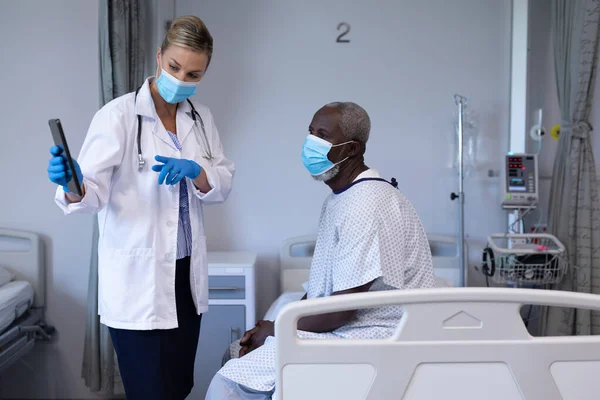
x: 467, y: 330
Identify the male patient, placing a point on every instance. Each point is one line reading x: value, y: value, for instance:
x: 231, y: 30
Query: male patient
x: 369, y: 238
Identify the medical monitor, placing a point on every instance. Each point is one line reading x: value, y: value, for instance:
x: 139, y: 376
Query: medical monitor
x: 520, y: 181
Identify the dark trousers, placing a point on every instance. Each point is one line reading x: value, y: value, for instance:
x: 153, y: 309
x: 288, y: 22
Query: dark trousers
x: 159, y: 364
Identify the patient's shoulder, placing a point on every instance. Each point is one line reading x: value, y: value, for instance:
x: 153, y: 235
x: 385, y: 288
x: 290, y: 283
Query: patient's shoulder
x: 376, y: 198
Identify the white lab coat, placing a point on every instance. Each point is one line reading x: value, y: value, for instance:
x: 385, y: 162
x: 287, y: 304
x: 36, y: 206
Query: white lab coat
x: 137, y: 217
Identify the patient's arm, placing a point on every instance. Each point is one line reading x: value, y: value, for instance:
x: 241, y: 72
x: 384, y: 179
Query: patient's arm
x: 255, y: 337
x: 331, y: 321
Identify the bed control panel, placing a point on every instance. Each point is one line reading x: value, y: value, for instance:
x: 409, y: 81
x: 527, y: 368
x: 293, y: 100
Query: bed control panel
x: 520, y: 181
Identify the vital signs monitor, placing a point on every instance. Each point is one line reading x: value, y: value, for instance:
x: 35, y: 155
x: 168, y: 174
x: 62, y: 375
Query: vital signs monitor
x: 520, y: 181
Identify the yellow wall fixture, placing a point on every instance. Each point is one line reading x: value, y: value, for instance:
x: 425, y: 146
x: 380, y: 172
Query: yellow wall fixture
x: 555, y: 132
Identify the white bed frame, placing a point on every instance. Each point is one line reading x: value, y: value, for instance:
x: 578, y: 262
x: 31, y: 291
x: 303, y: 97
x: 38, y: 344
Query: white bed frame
x: 295, y: 269
x: 22, y: 253
x: 451, y: 344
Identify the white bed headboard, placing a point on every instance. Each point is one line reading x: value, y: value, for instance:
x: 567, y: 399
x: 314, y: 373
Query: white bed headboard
x: 296, y: 255
x: 295, y: 258
x: 22, y: 253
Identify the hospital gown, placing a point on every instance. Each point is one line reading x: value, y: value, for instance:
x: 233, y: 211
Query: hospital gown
x: 367, y: 232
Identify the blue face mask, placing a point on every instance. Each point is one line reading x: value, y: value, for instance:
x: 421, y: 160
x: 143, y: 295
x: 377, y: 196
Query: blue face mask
x: 314, y: 155
x: 172, y: 89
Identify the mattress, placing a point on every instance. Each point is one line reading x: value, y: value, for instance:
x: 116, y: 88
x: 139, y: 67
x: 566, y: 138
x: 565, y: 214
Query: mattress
x: 15, y: 298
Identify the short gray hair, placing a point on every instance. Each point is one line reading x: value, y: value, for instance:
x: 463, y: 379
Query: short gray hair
x: 355, y: 123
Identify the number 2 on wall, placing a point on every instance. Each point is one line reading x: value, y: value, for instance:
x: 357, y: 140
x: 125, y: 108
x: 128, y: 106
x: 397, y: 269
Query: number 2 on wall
x: 344, y: 33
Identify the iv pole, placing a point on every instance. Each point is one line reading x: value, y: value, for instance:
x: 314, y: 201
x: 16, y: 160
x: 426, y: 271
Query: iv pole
x: 460, y: 102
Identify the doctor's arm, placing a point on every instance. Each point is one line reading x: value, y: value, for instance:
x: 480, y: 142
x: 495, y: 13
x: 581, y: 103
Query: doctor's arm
x: 101, y: 153
x: 214, y: 183
x: 75, y: 198
x: 201, y: 182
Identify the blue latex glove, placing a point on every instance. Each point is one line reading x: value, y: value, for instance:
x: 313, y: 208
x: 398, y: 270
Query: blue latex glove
x: 174, y: 170
x: 58, y: 169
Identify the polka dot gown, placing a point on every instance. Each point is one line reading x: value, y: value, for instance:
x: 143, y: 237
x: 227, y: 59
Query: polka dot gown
x: 369, y: 232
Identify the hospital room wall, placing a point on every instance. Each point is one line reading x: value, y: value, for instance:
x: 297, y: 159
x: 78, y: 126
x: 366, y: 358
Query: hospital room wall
x: 276, y: 63
x: 49, y: 70
x: 541, y: 93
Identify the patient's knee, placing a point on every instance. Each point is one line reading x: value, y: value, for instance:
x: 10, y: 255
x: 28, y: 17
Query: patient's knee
x: 219, y: 389
x: 222, y: 388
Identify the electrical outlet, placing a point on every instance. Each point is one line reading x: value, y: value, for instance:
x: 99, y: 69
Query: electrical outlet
x: 515, y: 241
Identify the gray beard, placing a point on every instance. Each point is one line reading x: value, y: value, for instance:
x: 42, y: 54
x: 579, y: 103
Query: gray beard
x: 328, y: 175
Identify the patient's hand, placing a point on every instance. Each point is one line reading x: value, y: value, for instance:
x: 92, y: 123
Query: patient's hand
x: 255, y: 337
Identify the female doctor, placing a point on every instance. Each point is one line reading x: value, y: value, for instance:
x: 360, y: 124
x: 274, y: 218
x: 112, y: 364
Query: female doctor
x: 152, y: 262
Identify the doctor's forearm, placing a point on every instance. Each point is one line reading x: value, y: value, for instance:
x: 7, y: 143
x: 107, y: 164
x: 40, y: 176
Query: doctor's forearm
x: 73, y: 198
x: 201, y: 182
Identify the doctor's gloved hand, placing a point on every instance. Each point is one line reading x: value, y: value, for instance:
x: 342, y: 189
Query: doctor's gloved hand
x: 58, y: 169
x: 173, y: 170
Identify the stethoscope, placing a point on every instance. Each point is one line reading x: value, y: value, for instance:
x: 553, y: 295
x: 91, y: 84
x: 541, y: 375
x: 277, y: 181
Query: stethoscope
x: 208, y: 155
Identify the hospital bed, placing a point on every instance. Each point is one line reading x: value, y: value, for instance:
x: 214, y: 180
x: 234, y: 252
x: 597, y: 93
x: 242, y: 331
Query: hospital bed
x: 22, y: 295
x: 451, y: 343
x: 295, y: 257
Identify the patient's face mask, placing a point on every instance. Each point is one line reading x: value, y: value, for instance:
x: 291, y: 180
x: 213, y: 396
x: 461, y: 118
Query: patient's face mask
x: 314, y: 156
x: 172, y: 90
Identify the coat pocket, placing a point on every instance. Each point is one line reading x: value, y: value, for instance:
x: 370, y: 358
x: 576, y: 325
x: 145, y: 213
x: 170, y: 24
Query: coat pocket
x: 126, y: 283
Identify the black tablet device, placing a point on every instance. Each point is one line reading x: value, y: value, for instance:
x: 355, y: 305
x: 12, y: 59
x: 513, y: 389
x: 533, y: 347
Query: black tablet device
x: 59, y: 140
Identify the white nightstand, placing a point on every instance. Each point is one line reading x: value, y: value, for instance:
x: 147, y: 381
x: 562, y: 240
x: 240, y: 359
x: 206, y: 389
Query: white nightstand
x: 231, y: 282
x: 232, y: 311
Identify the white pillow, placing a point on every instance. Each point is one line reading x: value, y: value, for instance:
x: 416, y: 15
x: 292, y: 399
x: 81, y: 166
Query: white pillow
x: 281, y: 301
x: 5, y: 276
x: 441, y: 282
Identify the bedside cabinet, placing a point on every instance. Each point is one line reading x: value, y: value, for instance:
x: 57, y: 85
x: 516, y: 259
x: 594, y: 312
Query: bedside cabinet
x: 231, y: 312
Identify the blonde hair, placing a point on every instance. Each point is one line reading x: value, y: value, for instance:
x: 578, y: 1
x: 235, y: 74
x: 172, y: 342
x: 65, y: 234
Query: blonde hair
x: 190, y: 32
